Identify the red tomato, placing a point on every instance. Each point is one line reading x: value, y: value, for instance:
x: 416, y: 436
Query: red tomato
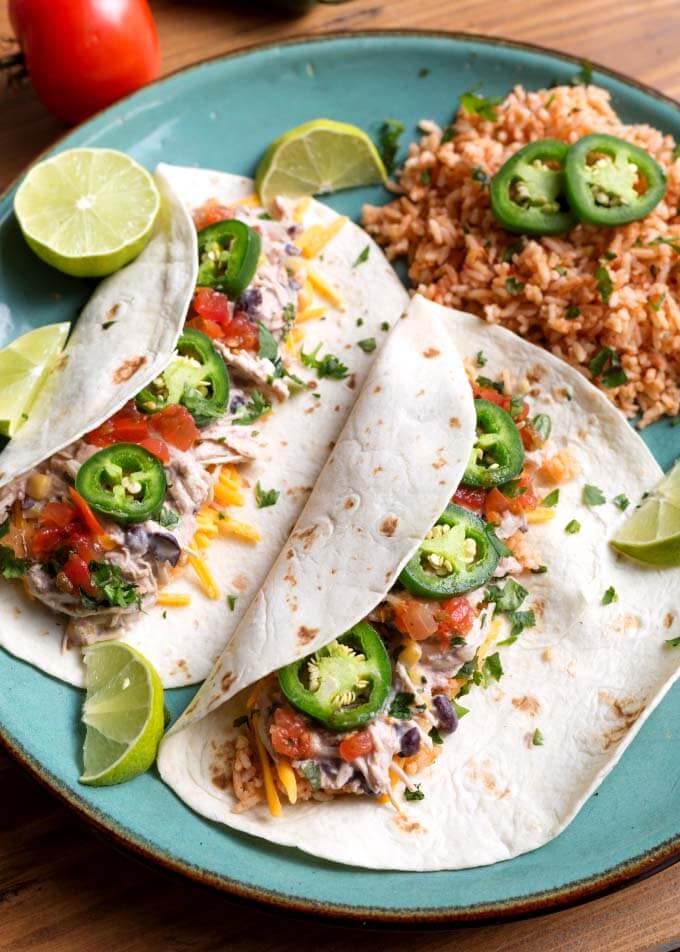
x: 157, y: 448
x: 236, y: 330
x: 88, y: 518
x: 76, y: 571
x: 45, y: 541
x: 289, y: 735
x: 356, y: 745
x: 497, y: 502
x: 488, y: 393
x: 415, y: 617
x: 82, y: 55
x: 176, y: 425
x: 60, y: 514
x: 210, y: 214
x: 129, y: 426
x: 455, y: 615
x: 530, y: 438
x: 209, y: 328
x: 470, y: 498
x: 240, y: 332
x: 211, y: 305
x: 86, y: 547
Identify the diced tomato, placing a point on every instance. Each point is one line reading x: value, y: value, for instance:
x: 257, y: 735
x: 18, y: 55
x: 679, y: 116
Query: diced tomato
x: 210, y: 214
x: 289, y: 735
x: 176, y: 425
x: 455, y: 615
x: 59, y: 514
x: 493, y: 396
x: 126, y: 426
x: 241, y: 333
x: 498, y: 502
x: 414, y: 617
x: 157, y: 448
x: 87, y: 516
x: 530, y: 438
x: 211, y: 305
x: 523, y: 413
x: 77, y: 572
x: 45, y: 541
x: 470, y: 497
x: 86, y: 547
x: 356, y: 745
x: 209, y: 328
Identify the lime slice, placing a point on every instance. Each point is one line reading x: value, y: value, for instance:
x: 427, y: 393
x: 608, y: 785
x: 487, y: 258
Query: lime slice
x: 122, y: 713
x: 24, y: 365
x: 318, y: 157
x: 652, y: 534
x: 87, y: 211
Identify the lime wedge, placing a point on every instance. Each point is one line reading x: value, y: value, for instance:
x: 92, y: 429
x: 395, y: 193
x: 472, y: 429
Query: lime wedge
x: 318, y: 157
x: 24, y: 366
x: 122, y: 713
x: 87, y: 211
x: 652, y: 533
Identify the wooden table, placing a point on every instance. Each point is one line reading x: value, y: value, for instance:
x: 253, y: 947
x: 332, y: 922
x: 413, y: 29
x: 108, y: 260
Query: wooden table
x: 62, y: 888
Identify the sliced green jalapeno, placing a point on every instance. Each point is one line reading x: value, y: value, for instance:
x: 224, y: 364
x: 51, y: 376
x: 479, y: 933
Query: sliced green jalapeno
x: 528, y: 192
x: 456, y: 556
x: 343, y: 685
x: 124, y: 482
x: 612, y: 182
x: 197, y: 378
x: 498, y: 453
x: 228, y: 253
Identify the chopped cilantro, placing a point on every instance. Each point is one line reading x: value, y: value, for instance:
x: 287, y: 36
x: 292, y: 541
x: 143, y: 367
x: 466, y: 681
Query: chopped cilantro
x: 607, y: 363
x: 311, y: 770
x: 561, y: 271
x: 520, y: 621
x: 360, y: 321
x: 541, y: 570
x: 328, y: 366
x: 516, y: 406
x: 426, y: 177
x: 362, y: 256
x: 479, y: 175
x: 610, y: 596
x: 506, y: 599
x: 389, y: 135
x: 435, y: 736
x: 168, y: 518
x: 584, y: 77
x: 515, y: 248
x: 368, y: 345
x: 231, y: 602
x: 656, y: 305
x: 265, y: 497
x: 295, y: 384
x: 265, y: 216
x: 10, y: 566
x: 542, y: 424
x: 492, y: 669
x: 385, y: 326
x: 512, y: 489
x: 551, y: 499
x: 513, y: 286
x: 481, y: 359
x: 496, y: 542
x: 164, y: 615
x: 401, y: 705
x: 490, y: 384
x: 455, y: 641
x: 289, y: 316
x: 447, y: 135
x: 622, y: 501
x: 475, y: 105
x: 572, y: 312
x: 459, y: 709
x: 256, y: 407
x: 4, y: 527
x: 416, y: 794
x: 268, y: 347
x: 423, y: 72
x: 673, y: 642
x: 537, y: 739
x: 114, y: 590
x: 604, y: 284
x: 107, y: 324
x: 609, y: 255
x: 572, y: 527
x: 592, y: 496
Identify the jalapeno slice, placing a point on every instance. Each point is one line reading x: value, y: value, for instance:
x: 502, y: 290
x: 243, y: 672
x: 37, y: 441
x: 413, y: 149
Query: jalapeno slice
x: 343, y: 685
x: 228, y: 253
x: 456, y: 556
x: 124, y: 482
x: 498, y: 453
x: 612, y: 182
x: 197, y: 378
x: 528, y: 192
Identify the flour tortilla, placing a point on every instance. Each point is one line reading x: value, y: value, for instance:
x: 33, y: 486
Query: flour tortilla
x: 293, y: 443
x: 587, y: 676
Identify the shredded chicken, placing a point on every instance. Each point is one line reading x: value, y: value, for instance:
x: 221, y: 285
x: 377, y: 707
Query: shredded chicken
x: 257, y: 370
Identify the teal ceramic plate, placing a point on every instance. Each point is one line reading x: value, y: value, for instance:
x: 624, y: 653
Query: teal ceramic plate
x: 221, y: 114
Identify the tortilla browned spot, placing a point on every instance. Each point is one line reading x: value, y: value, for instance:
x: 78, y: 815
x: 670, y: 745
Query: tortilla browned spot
x: 408, y: 826
x: 128, y: 368
x: 307, y: 536
x: 627, y: 710
x: 290, y: 553
x: 305, y: 634
x: 529, y: 705
x: 389, y: 525
x: 240, y: 583
x: 111, y: 313
x: 377, y: 388
x: 454, y: 423
x: 351, y: 381
x: 227, y: 680
x: 61, y: 363
x: 220, y: 780
x: 290, y: 577
x: 349, y: 503
x: 431, y: 352
x: 668, y: 619
x: 292, y: 602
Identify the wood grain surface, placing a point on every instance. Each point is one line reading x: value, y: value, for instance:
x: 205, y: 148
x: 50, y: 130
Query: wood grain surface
x: 63, y: 889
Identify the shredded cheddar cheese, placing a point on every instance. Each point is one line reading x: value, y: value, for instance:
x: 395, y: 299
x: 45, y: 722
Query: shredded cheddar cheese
x: 248, y: 201
x: 315, y: 238
x: 205, y: 576
x: 227, y: 489
x: 173, y: 599
x: 539, y: 515
x: 305, y: 296
x: 325, y: 289
x: 301, y: 209
x: 310, y: 314
x: 273, y: 801
x: 294, y: 339
x: 288, y: 779
x: 232, y: 527
x: 492, y: 635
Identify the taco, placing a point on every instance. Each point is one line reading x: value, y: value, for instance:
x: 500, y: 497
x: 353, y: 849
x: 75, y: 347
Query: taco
x: 177, y: 441
x: 446, y: 658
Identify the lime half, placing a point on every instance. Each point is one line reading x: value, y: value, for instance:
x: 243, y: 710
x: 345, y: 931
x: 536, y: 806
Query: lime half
x: 24, y: 365
x: 652, y: 533
x: 122, y: 713
x: 87, y: 211
x: 318, y: 157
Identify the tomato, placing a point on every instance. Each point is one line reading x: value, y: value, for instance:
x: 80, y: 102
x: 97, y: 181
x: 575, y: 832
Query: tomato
x: 45, y: 541
x: 530, y: 438
x: 129, y: 426
x: 210, y: 214
x: 493, y: 396
x: 241, y: 333
x: 176, y: 426
x: 82, y: 55
x: 86, y: 547
x: 76, y: 571
x: 356, y: 745
x: 88, y: 518
x: 211, y: 305
x: 60, y: 514
x: 209, y: 328
x: 497, y: 502
x: 415, y: 617
x: 289, y: 735
x: 455, y: 616
x: 470, y: 497
x: 157, y: 448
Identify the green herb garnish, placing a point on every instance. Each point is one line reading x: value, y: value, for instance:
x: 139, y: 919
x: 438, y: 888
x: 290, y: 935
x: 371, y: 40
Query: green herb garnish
x: 368, y: 345
x: 537, y: 739
x: 416, y: 794
x: 551, y: 499
x: 256, y: 407
x: 115, y: 591
x: 622, y: 501
x: 401, y: 705
x: 513, y: 286
x: 572, y: 312
x: 604, y: 284
x: 268, y: 347
x: 231, y: 602
x: 542, y: 425
x: 328, y: 366
x: 592, y: 496
x: 572, y: 527
x: 435, y: 736
x: 362, y: 256
x: 475, y: 105
x: 610, y: 596
x: 389, y: 135
x: 265, y: 497
x: 10, y: 566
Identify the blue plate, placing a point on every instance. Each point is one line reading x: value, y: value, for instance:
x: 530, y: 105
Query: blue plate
x: 220, y: 115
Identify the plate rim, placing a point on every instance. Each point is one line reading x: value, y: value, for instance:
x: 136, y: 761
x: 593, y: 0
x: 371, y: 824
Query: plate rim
x: 574, y: 893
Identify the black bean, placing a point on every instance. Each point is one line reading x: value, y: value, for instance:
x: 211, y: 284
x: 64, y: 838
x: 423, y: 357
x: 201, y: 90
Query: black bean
x: 410, y: 742
x: 446, y: 716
